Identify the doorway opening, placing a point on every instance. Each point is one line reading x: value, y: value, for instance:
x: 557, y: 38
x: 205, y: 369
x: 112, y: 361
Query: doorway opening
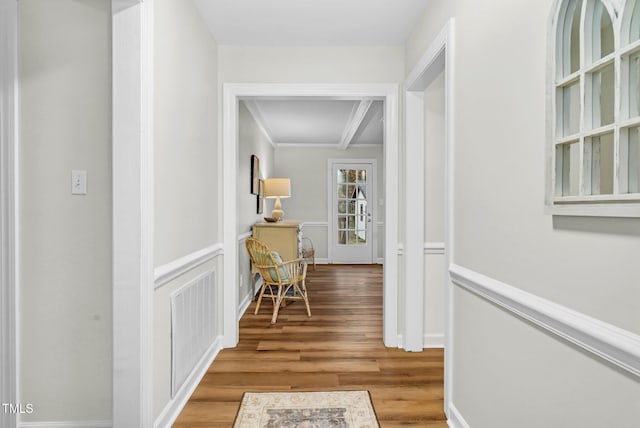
x: 233, y: 94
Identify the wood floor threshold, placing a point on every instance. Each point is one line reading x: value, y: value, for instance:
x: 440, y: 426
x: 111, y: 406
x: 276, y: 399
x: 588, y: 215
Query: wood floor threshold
x: 339, y: 348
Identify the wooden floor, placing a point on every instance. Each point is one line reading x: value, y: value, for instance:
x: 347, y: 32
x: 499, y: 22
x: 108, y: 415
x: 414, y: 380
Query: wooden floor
x: 338, y: 348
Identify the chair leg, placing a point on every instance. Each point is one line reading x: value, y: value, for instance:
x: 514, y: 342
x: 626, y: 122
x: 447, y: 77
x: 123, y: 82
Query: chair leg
x: 303, y: 293
x: 259, y: 299
x: 276, y: 305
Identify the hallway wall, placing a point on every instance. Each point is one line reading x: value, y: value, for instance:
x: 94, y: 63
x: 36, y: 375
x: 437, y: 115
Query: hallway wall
x: 187, y: 161
x: 507, y: 372
x: 65, y: 240
x: 251, y: 141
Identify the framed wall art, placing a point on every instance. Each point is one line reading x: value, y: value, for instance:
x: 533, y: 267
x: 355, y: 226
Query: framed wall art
x: 255, y: 175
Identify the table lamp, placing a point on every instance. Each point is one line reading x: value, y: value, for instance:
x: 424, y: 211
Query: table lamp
x: 277, y: 188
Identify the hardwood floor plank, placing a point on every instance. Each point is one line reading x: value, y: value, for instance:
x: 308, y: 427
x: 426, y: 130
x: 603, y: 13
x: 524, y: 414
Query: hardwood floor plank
x: 339, y: 348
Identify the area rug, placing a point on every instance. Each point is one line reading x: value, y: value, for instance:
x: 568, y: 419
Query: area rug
x: 332, y: 409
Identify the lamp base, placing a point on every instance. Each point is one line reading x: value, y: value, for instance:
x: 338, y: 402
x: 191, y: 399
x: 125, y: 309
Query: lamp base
x: 277, y: 214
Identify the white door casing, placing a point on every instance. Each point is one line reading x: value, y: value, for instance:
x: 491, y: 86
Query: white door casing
x: 351, y: 204
x: 438, y: 57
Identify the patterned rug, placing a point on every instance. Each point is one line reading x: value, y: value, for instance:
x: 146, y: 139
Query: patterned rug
x: 333, y: 409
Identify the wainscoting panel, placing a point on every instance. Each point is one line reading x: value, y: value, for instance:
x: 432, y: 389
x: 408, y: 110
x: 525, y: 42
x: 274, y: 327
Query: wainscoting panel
x: 193, y: 326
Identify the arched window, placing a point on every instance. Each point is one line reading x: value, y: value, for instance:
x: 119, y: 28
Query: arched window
x: 594, y: 108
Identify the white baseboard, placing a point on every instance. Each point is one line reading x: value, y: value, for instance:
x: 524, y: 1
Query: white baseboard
x: 66, y: 424
x: 433, y: 341
x: 244, y: 305
x: 455, y: 419
x: 430, y: 341
x: 613, y: 344
x: 172, y: 410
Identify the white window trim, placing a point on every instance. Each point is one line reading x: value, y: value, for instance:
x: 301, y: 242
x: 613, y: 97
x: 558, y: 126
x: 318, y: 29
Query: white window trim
x: 615, y: 205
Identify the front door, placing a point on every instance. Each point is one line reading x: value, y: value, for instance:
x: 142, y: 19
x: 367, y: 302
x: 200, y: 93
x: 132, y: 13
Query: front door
x: 351, y: 212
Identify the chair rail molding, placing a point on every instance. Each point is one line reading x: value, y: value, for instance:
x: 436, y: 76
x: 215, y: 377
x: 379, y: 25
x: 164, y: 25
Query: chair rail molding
x: 434, y: 248
x: 8, y: 208
x: 170, y: 271
x: 611, y: 343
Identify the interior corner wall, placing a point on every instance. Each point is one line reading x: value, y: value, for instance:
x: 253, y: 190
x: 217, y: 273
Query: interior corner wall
x: 251, y: 141
x: 186, y: 164
x: 307, y: 168
x: 65, y: 240
x: 505, y: 371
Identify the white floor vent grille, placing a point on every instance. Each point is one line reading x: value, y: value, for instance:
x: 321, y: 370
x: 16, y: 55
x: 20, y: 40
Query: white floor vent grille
x: 193, y: 326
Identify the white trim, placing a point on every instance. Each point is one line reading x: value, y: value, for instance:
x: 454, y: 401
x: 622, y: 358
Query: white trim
x: 67, y: 424
x: 244, y: 236
x: 232, y: 93
x: 414, y: 219
x: 613, y: 344
x: 244, y: 305
x: 170, y: 271
x: 353, y: 124
x: 433, y: 341
x: 327, y: 145
x: 455, y: 419
x: 316, y: 224
x: 434, y: 248
x: 133, y: 221
x: 172, y: 410
x: 439, y: 55
x: 8, y: 208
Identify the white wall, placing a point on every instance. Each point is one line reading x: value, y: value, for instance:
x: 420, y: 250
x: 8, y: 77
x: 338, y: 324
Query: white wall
x: 307, y: 168
x: 186, y: 162
x: 434, y: 209
x: 252, y: 141
x: 65, y: 241
x: 309, y: 64
x: 505, y: 372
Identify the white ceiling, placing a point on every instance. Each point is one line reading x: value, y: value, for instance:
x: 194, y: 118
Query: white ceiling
x: 314, y: 122
x: 319, y: 122
x: 311, y: 22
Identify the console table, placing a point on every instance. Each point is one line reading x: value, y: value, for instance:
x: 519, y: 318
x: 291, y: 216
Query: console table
x: 285, y: 237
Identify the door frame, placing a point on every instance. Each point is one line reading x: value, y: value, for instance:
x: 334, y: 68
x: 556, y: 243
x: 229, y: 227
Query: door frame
x: 233, y: 93
x: 331, y: 236
x: 438, y: 57
x: 8, y: 209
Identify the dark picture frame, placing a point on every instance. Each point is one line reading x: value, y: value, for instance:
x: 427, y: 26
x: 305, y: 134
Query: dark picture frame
x: 260, y: 197
x: 255, y: 175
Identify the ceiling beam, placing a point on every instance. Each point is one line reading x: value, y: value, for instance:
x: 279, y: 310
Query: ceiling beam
x: 354, y: 122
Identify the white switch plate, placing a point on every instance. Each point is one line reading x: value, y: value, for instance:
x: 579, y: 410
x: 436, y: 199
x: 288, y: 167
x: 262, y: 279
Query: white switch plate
x: 78, y: 182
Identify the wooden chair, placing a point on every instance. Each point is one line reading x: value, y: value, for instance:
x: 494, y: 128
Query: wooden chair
x: 308, y: 252
x: 281, y: 281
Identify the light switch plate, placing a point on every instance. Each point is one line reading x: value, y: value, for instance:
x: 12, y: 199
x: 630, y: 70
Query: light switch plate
x: 78, y: 182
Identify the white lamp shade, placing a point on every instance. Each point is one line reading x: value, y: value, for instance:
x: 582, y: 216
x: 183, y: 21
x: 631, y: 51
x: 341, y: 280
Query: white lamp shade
x: 277, y: 187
